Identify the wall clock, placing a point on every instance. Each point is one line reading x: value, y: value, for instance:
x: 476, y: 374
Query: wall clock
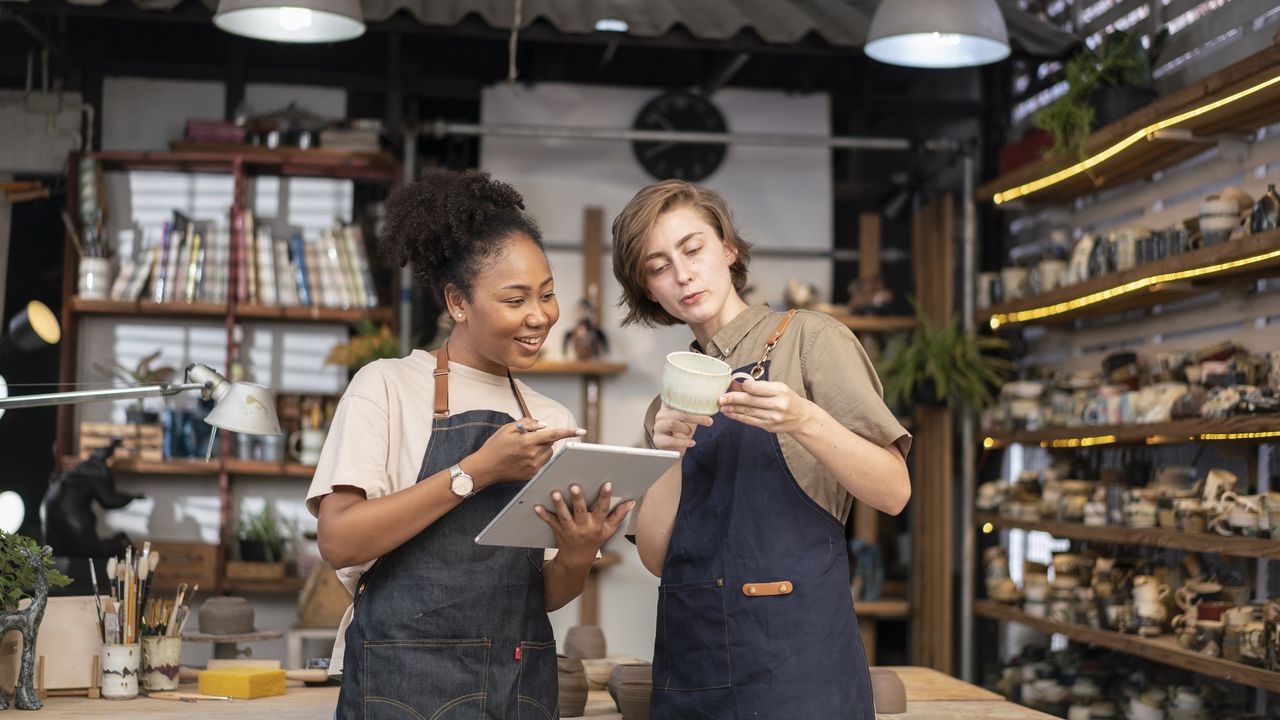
x: 680, y: 111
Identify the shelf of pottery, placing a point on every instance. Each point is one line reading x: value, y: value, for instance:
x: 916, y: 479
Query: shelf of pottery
x: 1133, y: 508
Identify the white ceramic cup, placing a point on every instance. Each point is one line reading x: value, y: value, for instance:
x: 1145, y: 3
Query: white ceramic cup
x: 693, y: 382
x: 161, y: 658
x: 120, y: 665
x: 305, y: 445
x: 94, y: 278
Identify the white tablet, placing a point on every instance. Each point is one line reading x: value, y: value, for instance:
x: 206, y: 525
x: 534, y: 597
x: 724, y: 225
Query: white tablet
x: 631, y: 470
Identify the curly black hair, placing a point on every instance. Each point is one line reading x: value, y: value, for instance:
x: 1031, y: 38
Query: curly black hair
x: 449, y: 224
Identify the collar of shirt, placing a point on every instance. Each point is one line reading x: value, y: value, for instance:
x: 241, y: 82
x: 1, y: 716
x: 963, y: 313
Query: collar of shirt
x: 723, y: 343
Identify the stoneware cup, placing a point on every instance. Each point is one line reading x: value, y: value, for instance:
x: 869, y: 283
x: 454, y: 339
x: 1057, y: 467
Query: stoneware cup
x: 693, y: 383
x: 161, y: 657
x: 120, y: 665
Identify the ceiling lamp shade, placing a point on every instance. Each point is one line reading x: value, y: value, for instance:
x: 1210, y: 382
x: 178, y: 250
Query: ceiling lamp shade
x: 303, y: 21
x: 937, y: 33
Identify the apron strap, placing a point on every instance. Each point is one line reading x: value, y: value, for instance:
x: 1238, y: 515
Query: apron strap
x: 758, y: 371
x: 441, y: 375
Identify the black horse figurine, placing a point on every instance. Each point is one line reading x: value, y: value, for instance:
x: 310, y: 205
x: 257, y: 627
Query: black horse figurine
x: 70, y: 522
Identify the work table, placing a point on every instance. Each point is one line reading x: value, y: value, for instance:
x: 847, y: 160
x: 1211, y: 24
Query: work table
x: 931, y: 695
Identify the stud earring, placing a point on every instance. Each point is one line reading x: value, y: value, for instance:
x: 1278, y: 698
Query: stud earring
x: 459, y: 315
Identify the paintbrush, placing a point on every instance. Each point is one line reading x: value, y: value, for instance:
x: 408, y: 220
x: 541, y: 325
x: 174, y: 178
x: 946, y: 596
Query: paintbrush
x: 97, y: 600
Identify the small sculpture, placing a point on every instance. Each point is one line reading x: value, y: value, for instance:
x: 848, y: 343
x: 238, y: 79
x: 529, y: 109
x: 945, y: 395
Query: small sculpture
x: 24, y: 567
x: 587, y: 339
x: 70, y: 523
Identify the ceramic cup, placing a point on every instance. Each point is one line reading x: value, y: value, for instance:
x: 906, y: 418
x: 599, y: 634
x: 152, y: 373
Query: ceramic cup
x: 161, y: 657
x: 693, y: 383
x: 120, y: 665
x: 305, y: 445
x: 1014, y: 283
x: 1193, y: 591
x: 93, y: 278
x: 1218, y: 218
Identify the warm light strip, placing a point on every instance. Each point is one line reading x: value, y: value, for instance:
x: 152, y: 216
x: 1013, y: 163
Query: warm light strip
x: 1045, y: 311
x: 1240, y: 435
x: 1145, y: 133
x: 1079, y: 442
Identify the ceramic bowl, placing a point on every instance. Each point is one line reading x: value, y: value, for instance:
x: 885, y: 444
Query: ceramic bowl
x: 693, y: 383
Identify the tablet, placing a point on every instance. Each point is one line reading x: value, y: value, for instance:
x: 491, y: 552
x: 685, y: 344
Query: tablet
x: 590, y: 466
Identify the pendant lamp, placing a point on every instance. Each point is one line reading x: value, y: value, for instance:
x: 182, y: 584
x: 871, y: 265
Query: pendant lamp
x: 937, y: 33
x: 300, y: 21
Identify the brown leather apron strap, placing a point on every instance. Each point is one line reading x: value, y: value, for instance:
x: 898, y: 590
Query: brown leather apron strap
x: 758, y: 370
x: 524, y: 409
x: 441, y: 375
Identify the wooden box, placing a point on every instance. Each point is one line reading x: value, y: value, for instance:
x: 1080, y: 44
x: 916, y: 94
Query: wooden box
x: 254, y: 571
x: 189, y: 563
x: 140, y: 442
x: 324, y: 599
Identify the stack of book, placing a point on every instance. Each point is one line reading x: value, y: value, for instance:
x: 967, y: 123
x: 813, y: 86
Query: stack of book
x: 191, y: 262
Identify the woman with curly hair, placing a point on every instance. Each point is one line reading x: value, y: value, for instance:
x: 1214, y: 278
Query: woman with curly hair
x: 425, y: 450
x: 755, y: 618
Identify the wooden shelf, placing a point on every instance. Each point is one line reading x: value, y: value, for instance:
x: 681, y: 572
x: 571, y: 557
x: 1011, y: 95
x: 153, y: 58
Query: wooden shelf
x: 877, y: 323
x: 279, y: 587
x: 1190, y: 273
x: 218, y: 310
x: 1164, y: 649
x: 236, y: 466
x: 190, y: 466
x: 1150, y: 153
x: 574, y: 368
x: 287, y: 162
x: 1262, y: 427
x: 883, y: 609
x: 1234, y: 546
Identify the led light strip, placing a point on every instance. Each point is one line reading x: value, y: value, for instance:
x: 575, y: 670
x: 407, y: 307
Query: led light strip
x: 1044, y: 311
x: 1110, y: 152
x: 1079, y: 442
x: 1239, y: 435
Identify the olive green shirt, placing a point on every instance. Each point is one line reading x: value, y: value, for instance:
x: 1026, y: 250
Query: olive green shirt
x: 822, y: 361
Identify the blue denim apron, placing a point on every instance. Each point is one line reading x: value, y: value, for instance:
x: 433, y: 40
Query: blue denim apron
x: 755, y: 616
x: 444, y: 628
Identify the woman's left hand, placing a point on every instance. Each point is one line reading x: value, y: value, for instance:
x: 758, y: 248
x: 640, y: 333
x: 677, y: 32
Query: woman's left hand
x: 771, y: 406
x: 581, y: 531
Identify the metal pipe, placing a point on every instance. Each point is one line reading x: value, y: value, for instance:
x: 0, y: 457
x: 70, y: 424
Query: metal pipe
x: 442, y: 128
x: 75, y: 397
x: 968, y: 469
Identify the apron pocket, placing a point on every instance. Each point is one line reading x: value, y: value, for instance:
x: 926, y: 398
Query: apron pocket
x: 538, y: 694
x: 436, y: 679
x: 694, y: 636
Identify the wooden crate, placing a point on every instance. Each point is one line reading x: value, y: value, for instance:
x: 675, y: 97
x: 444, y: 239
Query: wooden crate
x: 140, y: 442
x: 324, y: 599
x: 181, y: 562
x: 255, y: 571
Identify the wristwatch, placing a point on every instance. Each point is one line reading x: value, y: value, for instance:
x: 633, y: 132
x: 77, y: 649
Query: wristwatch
x: 460, y: 483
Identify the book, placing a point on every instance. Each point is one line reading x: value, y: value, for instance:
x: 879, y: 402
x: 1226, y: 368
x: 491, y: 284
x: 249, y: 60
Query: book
x: 162, y: 263
x: 297, y: 257
x: 286, y: 274
x: 265, y: 262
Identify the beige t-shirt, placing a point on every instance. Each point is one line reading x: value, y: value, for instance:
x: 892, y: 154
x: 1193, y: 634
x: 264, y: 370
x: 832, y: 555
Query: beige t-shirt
x: 380, y: 430
x: 822, y: 361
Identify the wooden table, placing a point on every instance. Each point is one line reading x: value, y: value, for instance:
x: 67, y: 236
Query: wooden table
x: 931, y: 695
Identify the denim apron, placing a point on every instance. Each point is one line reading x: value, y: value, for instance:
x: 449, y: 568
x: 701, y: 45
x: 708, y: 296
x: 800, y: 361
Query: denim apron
x: 755, y: 616
x: 444, y: 628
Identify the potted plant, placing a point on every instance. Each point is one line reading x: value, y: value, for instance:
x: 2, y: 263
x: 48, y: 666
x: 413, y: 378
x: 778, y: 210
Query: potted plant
x: 1103, y: 85
x: 370, y: 343
x: 260, y: 537
x: 943, y: 364
x: 26, y: 571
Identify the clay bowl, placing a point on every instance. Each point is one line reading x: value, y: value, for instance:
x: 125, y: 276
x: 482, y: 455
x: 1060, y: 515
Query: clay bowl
x: 633, y: 700
x: 573, y: 686
x: 585, y: 641
x: 598, y: 672
x: 889, y: 693
x: 628, y: 673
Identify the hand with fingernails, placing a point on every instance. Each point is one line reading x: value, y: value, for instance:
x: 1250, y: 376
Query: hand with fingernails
x: 771, y: 406
x: 581, y: 531
x: 673, y: 429
x: 516, y: 452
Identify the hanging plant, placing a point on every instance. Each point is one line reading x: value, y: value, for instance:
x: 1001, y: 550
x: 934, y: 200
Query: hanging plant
x: 943, y: 364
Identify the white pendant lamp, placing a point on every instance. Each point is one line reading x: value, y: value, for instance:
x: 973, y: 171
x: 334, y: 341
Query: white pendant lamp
x: 937, y: 33
x: 296, y: 21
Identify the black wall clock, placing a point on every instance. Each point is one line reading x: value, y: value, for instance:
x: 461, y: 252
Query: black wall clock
x: 681, y: 111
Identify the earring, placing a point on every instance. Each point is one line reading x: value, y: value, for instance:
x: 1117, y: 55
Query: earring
x: 459, y: 315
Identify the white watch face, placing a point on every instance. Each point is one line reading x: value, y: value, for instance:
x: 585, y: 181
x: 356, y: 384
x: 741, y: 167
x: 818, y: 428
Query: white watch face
x: 461, y: 485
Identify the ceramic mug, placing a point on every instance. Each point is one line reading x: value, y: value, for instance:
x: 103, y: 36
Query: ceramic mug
x: 1014, y: 283
x: 1191, y: 592
x: 93, y: 278
x: 120, y: 665
x: 305, y: 445
x: 1147, y: 590
x: 693, y: 382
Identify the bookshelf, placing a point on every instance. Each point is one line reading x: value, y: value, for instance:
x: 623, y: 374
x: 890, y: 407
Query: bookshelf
x: 232, y: 306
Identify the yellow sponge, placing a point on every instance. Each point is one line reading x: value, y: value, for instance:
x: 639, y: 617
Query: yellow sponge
x: 242, y: 682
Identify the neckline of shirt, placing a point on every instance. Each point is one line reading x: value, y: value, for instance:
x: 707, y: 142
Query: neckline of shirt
x: 725, y: 341
x: 466, y: 372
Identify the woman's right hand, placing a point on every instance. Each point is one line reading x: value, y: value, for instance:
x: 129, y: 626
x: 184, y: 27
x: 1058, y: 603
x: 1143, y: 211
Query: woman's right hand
x: 515, y: 452
x: 673, y: 429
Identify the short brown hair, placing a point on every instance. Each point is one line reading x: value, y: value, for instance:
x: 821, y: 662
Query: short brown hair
x: 637, y: 219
